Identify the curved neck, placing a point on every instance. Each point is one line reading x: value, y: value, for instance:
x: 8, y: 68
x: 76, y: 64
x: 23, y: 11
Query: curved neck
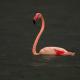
x: 38, y: 36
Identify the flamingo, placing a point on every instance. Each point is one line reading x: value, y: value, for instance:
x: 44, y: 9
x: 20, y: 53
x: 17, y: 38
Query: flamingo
x: 47, y: 51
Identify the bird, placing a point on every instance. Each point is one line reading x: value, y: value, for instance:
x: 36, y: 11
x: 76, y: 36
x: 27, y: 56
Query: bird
x: 47, y: 51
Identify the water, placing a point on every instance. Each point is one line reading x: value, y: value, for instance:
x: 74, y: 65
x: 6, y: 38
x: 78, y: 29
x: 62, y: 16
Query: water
x: 17, y: 34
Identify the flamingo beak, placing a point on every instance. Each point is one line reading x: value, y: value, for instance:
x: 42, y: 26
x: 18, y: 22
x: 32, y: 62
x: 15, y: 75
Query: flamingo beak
x: 34, y: 21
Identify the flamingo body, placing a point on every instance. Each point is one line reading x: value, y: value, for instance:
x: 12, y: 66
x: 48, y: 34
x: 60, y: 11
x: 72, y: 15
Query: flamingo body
x: 55, y: 51
x: 52, y: 51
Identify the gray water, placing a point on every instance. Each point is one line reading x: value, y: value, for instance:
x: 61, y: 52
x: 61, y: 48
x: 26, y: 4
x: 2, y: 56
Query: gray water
x: 17, y: 34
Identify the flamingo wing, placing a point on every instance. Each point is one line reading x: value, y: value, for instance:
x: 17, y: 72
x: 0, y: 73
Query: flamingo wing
x: 59, y: 52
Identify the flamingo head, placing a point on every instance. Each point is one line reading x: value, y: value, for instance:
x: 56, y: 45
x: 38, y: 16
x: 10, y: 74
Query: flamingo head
x: 36, y: 17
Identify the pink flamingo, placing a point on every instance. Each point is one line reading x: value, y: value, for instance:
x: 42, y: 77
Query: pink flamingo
x: 47, y: 51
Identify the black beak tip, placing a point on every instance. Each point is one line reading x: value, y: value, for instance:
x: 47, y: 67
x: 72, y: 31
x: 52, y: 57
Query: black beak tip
x: 34, y: 21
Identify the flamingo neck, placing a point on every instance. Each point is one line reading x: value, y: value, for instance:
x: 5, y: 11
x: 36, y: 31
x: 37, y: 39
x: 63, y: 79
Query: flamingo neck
x: 38, y: 37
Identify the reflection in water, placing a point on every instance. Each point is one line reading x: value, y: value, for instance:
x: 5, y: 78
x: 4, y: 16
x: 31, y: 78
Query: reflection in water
x: 42, y: 60
x: 35, y: 64
x: 58, y: 61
